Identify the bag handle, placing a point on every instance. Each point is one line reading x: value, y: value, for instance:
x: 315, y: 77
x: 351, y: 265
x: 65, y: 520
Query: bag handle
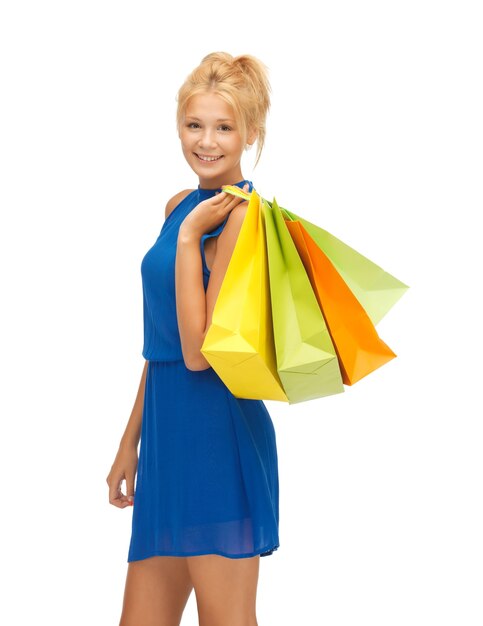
x: 236, y: 191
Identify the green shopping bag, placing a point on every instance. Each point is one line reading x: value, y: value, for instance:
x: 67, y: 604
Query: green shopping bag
x: 306, y: 358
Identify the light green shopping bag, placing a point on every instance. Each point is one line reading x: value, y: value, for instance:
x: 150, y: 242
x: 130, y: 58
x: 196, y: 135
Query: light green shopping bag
x: 306, y: 358
x: 376, y: 290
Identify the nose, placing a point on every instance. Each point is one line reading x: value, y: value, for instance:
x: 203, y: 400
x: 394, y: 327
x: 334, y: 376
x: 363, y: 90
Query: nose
x: 207, y: 140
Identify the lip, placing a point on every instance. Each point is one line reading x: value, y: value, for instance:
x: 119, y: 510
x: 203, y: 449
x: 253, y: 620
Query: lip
x: 218, y: 157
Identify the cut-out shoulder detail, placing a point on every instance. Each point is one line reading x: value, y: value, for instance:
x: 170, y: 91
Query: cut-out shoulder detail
x: 175, y: 200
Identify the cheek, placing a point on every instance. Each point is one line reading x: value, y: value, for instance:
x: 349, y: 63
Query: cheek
x: 185, y: 138
x: 187, y: 152
x: 233, y: 144
x: 185, y: 144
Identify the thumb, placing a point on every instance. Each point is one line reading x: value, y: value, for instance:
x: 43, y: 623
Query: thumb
x: 130, y: 489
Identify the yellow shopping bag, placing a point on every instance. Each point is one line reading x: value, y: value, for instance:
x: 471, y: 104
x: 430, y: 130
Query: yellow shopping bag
x: 239, y: 344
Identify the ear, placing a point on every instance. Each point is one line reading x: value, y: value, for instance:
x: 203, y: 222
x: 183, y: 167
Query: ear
x: 252, y: 136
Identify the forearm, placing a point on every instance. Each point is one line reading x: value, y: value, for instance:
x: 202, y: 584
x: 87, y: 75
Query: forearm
x: 190, y: 300
x: 132, y: 432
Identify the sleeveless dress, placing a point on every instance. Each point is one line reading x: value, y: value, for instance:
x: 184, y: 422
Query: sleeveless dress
x: 207, y: 476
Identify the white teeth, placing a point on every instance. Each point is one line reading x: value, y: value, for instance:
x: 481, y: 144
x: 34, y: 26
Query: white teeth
x: 208, y: 158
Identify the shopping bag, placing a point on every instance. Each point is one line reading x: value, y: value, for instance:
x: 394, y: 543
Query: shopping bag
x: 376, y: 290
x: 306, y: 358
x: 353, y: 279
x: 239, y: 343
x: 359, y: 348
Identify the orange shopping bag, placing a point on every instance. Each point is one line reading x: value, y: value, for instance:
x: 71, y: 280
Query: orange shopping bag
x: 359, y: 348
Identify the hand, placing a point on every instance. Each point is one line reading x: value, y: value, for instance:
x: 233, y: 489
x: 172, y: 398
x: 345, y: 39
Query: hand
x: 210, y: 213
x: 123, y: 468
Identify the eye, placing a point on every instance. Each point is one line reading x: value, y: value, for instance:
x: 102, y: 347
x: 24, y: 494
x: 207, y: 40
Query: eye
x: 193, y: 124
x: 225, y: 127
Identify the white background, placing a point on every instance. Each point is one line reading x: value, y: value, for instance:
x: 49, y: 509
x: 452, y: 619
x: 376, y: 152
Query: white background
x: 375, y: 133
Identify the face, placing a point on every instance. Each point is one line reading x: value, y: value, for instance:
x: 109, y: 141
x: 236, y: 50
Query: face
x: 211, y: 141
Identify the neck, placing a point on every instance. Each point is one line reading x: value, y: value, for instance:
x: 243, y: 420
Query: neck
x: 228, y: 178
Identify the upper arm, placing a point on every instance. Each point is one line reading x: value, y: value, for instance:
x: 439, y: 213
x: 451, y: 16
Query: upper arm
x: 175, y: 200
x: 224, y: 249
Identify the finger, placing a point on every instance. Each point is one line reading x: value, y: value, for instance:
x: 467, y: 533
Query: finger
x: 231, y: 200
x: 230, y: 203
x: 115, y: 494
x: 120, y: 502
x: 130, y: 489
x: 114, y: 488
x: 236, y: 200
x: 123, y: 499
x: 221, y: 195
x: 217, y: 199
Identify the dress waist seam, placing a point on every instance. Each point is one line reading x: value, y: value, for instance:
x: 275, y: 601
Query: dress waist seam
x: 165, y: 360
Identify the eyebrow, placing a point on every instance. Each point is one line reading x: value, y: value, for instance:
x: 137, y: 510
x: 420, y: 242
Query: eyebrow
x: 221, y: 119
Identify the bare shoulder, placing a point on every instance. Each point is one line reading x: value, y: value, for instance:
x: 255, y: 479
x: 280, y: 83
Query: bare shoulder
x: 229, y: 234
x: 236, y: 217
x: 175, y: 200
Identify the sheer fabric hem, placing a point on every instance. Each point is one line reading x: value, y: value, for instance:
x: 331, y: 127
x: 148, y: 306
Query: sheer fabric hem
x: 263, y: 552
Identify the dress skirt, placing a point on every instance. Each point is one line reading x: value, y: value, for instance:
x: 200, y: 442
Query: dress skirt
x: 207, y: 476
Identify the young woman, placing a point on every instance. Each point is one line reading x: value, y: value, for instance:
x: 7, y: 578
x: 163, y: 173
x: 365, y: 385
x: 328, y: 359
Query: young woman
x: 206, y: 504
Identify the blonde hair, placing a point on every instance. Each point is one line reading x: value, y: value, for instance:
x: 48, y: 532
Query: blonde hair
x: 242, y: 81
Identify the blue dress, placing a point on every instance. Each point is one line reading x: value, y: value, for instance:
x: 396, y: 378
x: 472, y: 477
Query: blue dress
x: 207, y: 476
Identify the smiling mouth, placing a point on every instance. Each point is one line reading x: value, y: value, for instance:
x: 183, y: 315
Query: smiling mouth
x: 207, y: 159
